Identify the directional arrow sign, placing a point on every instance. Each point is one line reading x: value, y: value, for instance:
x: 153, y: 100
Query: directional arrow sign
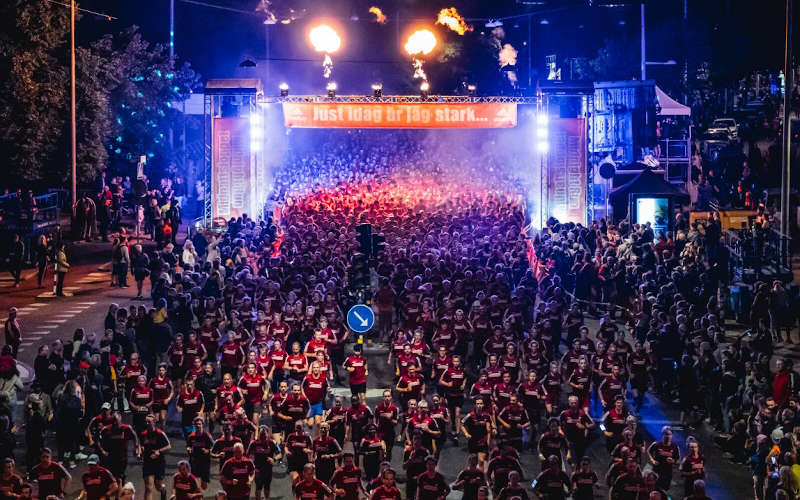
x: 360, y: 318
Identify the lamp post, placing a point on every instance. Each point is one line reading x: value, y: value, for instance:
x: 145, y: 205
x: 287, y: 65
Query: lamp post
x: 73, y: 120
x: 788, y: 73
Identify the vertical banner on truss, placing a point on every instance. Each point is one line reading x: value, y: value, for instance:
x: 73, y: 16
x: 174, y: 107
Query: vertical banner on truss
x: 566, y: 170
x: 231, y: 173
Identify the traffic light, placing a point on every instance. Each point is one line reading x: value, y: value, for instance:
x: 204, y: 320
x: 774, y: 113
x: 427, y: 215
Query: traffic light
x: 364, y: 238
x: 378, y: 245
x: 358, y: 273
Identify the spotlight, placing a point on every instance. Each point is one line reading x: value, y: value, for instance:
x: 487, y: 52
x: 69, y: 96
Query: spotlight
x: 541, y: 120
x: 543, y: 146
x: 424, y: 88
x: 377, y: 89
x: 331, y: 89
x: 471, y: 89
x: 284, y: 89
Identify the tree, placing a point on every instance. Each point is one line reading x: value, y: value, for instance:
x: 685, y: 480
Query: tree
x: 143, y: 87
x: 33, y: 89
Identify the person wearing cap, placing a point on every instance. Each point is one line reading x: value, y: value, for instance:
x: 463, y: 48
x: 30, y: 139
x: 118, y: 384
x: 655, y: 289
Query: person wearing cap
x: 96, y: 425
x: 98, y: 482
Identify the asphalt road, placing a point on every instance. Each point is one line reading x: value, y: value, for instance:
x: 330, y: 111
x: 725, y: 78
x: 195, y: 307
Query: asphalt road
x: 46, y: 318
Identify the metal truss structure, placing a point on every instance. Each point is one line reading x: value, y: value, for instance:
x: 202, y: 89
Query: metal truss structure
x: 399, y: 99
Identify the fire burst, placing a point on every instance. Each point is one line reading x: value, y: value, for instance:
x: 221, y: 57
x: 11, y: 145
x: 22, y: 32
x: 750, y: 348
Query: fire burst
x: 325, y: 39
x: 379, y: 16
x: 453, y: 20
x: 420, y: 43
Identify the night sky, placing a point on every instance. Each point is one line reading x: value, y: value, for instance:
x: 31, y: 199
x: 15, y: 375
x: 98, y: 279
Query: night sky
x: 738, y: 34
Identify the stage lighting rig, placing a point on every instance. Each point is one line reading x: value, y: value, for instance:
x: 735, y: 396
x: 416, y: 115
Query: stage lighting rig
x: 377, y: 89
x: 424, y: 88
x: 472, y: 89
x: 284, y: 89
x: 331, y: 87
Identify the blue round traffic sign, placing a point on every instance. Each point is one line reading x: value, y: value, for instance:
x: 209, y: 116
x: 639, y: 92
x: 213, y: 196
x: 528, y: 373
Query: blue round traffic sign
x: 360, y: 318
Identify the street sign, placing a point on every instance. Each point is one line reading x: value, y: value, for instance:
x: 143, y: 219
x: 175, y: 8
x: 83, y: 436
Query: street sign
x: 360, y: 318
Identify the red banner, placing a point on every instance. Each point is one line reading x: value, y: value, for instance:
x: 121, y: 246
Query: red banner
x: 566, y: 170
x: 393, y: 115
x: 230, y: 167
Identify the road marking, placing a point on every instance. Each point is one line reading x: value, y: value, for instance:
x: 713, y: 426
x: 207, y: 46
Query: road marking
x: 36, y: 304
x: 51, y: 295
x: 99, y: 275
x: 87, y: 303
x: 25, y: 344
x: 42, y: 332
x: 56, y: 321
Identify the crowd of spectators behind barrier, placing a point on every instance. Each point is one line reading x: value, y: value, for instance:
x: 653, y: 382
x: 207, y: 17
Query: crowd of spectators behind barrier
x: 460, y: 279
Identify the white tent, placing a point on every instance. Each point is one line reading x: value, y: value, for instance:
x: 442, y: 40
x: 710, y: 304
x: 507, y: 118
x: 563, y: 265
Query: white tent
x: 669, y: 106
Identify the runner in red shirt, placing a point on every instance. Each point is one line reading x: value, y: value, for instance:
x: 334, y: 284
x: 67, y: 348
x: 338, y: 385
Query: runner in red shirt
x: 140, y: 399
x: 326, y: 452
x: 275, y: 403
x: 11, y: 482
x: 310, y: 488
x: 98, y: 482
x: 296, y: 364
x: 190, y: 404
x: 264, y: 453
x: 113, y: 446
x: 387, y: 490
x: 346, y: 481
x: 298, y: 450
x: 184, y: 484
x: 406, y: 359
x: 255, y: 392
x: 318, y: 341
x: 356, y: 365
x: 222, y: 448
x: 278, y: 356
x: 315, y: 388
x: 453, y: 381
x: 237, y: 474
x: 410, y: 386
x: 387, y: 414
x: 232, y: 356
x: 294, y: 408
x: 162, y: 394
x: 51, y: 476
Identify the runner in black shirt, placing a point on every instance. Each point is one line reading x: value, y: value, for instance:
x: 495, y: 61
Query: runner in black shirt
x: 583, y: 481
x: 264, y: 452
x: 471, y: 478
x: 513, y: 491
x: 431, y: 484
x: 154, y: 444
x: 198, y: 445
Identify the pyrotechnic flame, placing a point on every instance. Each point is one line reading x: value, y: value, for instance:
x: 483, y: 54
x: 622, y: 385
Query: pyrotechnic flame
x: 418, y: 71
x: 421, y: 42
x: 324, y: 39
x: 453, y: 20
x: 380, y: 17
x: 507, y: 56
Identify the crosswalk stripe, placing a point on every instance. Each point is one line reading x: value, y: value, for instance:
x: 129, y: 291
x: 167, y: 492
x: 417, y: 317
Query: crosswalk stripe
x: 36, y: 304
x: 25, y: 344
x: 40, y: 332
x: 87, y: 303
x: 56, y: 321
